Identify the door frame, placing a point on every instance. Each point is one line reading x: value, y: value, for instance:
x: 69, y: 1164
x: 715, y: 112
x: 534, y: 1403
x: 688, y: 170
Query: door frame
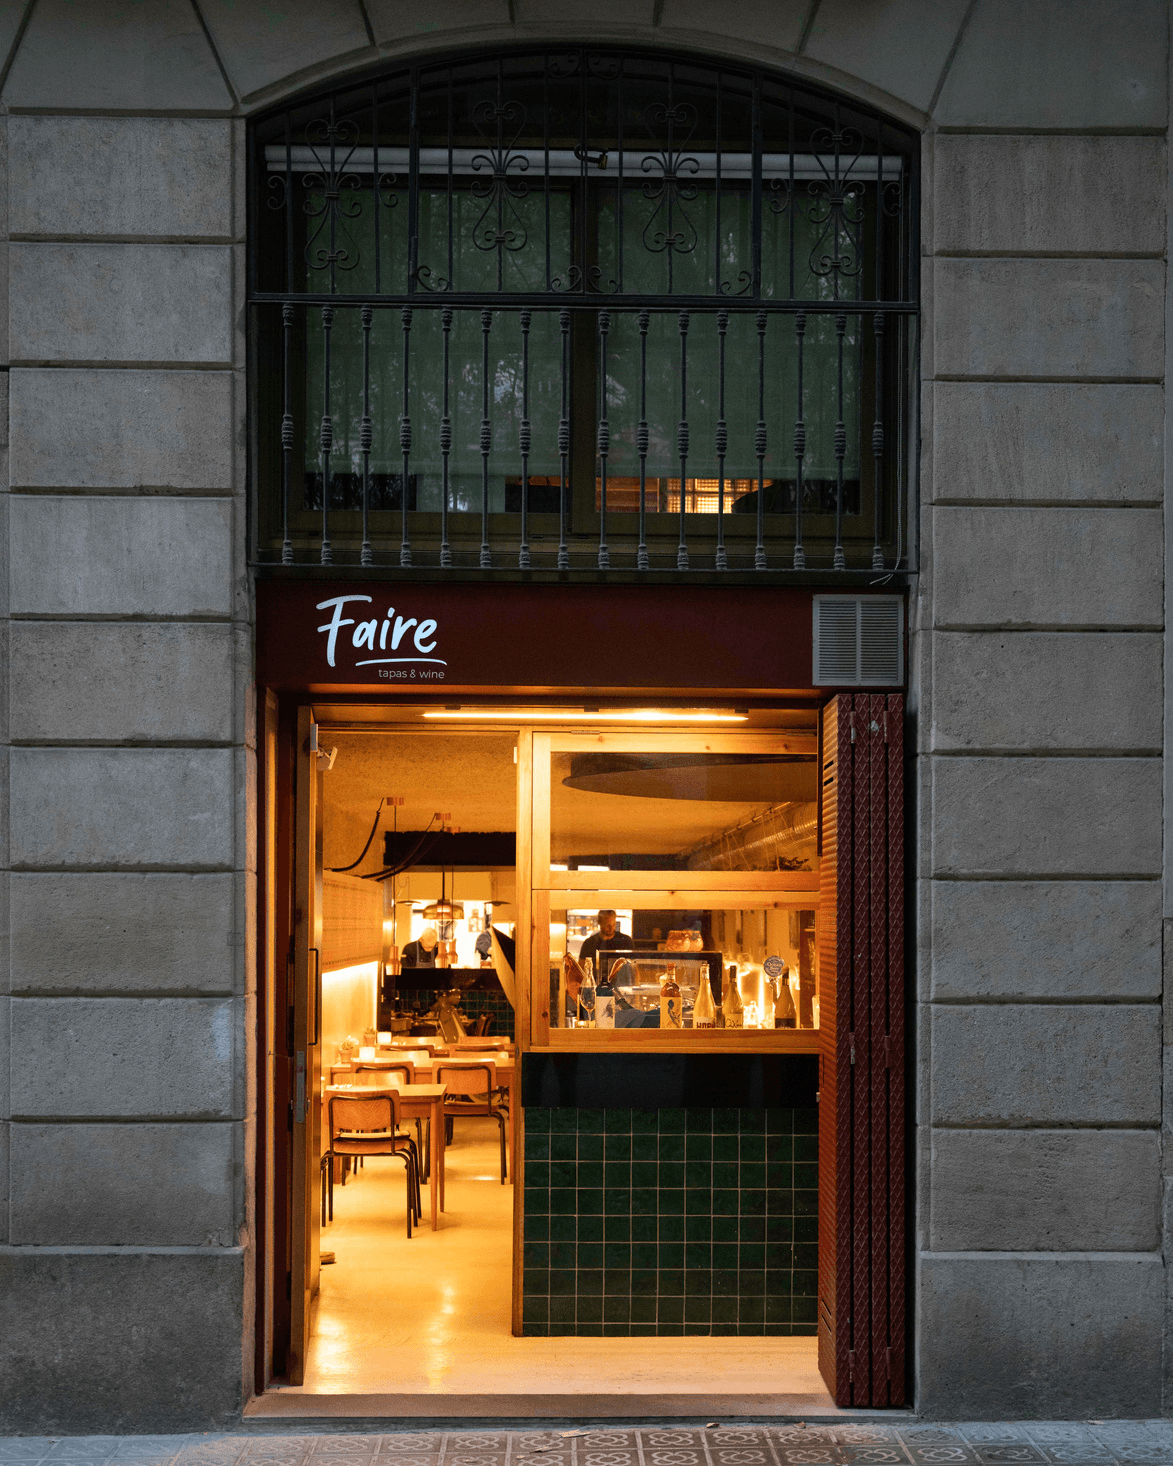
x: 290, y: 788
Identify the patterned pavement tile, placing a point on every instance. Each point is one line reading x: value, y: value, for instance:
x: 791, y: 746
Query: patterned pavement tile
x: 1057, y: 1430
x: 865, y: 1435
x: 596, y: 1456
x: 743, y: 1455
x: 427, y: 1441
x: 938, y: 1452
x: 875, y: 1455
x: 734, y: 1435
x: 150, y: 1445
x: 812, y: 1455
x: 654, y: 1440
x: 1004, y: 1453
x: 272, y: 1447
x: 978, y: 1432
x: 610, y: 1440
x: 1074, y: 1453
x: 84, y: 1447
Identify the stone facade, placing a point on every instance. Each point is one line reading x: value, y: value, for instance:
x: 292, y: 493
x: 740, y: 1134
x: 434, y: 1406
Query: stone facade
x: 128, y: 807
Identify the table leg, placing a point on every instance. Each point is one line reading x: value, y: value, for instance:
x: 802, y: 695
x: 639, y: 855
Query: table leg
x: 434, y: 1165
x: 441, y: 1129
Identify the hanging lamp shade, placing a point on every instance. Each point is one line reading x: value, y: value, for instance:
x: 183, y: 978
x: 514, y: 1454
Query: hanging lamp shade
x: 443, y: 910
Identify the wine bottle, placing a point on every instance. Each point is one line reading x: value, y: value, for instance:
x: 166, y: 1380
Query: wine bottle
x: 704, y: 1010
x: 670, y: 1008
x: 733, y: 1007
x: 785, y: 1014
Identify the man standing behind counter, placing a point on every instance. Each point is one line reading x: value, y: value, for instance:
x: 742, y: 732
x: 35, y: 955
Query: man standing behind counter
x: 608, y: 938
x: 421, y: 953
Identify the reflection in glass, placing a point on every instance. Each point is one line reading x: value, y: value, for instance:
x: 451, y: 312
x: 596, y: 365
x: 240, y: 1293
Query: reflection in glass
x: 683, y: 811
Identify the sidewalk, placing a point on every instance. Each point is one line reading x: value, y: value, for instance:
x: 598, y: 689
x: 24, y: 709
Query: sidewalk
x: 990, y: 1443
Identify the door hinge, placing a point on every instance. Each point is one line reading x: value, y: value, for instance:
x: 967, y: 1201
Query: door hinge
x: 299, y: 1088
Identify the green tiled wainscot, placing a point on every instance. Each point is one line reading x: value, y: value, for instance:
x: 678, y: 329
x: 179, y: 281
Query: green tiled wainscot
x: 671, y: 1221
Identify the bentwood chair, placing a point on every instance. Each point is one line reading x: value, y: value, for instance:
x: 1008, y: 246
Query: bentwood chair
x: 471, y: 1092
x: 369, y: 1125
x: 372, y: 1071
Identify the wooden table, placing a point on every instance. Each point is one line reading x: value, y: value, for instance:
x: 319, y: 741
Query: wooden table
x: 416, y: 1101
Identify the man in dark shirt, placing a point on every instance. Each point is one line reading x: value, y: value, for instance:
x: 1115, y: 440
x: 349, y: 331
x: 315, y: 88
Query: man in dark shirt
x: 423, y: 952
x: 608, y: 938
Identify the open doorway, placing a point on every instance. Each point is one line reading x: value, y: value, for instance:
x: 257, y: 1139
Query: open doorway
x: 418, y: 873
x: 461, y: 1311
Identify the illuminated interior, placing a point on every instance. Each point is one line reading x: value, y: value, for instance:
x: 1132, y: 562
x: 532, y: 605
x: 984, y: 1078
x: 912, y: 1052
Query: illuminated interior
x: 607, y: 832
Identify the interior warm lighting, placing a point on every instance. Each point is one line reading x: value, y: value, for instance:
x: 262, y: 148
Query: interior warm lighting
x: 628, y: 715
x: 444, y: 911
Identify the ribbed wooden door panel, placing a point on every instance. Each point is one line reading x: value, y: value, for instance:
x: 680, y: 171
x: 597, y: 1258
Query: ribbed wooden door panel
x: 861, y: 1112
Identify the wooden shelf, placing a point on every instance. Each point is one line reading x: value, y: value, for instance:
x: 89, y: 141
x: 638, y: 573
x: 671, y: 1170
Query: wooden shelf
x: 688, y: 1041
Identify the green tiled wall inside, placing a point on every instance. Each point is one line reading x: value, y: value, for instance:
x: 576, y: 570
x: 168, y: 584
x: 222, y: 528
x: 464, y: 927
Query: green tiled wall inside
x: 681, y: 1221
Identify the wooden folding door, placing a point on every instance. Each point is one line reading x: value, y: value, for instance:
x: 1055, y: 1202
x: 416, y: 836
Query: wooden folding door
x: 862, y: 1178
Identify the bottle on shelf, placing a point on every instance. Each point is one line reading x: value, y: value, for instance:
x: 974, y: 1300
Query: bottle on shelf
x: 785, y: 1013
x: 732, y: 1006
x: 671, y: 1013
x: 704, y: 1010
x: 586, y: 994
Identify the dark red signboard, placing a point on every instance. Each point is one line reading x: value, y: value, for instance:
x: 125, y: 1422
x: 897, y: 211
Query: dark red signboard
x: 341, y: 636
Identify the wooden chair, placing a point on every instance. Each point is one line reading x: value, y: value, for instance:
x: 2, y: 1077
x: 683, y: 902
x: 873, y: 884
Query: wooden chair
x: 489, y: 1046
x: 362, y: 1068
x: 471, y: 1092
x: 371, y: 1071
x: 362, y: 1126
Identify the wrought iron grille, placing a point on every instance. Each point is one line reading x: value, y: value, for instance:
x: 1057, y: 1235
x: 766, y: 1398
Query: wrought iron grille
x: 561, y: 310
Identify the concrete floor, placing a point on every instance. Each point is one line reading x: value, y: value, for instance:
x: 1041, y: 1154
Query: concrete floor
x: 400, y: 1322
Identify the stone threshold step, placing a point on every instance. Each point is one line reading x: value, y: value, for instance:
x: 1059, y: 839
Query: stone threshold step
x: 436, y: 1410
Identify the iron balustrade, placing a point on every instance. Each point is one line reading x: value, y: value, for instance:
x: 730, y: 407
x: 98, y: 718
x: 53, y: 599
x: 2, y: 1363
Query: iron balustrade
x: 566, y: 311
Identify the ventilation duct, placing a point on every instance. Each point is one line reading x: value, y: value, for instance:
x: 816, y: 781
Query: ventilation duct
x: 858, y: 641
x: 786, y: 832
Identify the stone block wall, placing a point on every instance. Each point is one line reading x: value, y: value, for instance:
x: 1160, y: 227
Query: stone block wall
x: 1038, y: 656
x: 1040, y: 718
x: 125, y: 1046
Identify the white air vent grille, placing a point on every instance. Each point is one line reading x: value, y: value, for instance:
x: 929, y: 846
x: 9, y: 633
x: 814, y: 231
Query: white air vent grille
x: 859, y: 641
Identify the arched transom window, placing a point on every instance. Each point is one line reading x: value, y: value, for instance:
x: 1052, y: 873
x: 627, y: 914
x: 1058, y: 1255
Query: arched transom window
x: 573, y: 309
